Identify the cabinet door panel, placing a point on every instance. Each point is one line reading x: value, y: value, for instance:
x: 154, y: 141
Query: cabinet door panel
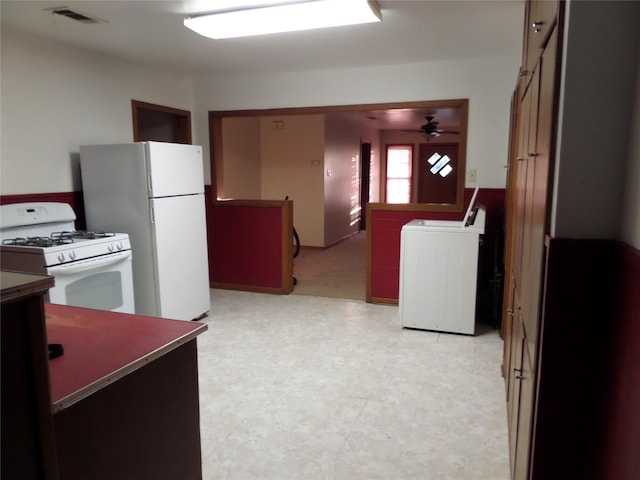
x: 513, y: 402
x: 540, y: 186
x: 530, y: 274
x: 540, y: 19
x: 528, y: 191
x: 507, y: 303
x: 519, y: 192
x: 525, y: 416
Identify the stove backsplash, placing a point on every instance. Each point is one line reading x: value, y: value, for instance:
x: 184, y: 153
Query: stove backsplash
x: 72, y: 198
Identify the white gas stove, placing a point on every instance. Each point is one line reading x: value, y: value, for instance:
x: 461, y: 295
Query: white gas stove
x: 91, y: 269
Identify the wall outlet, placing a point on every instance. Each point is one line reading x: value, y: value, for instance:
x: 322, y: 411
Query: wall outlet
x: 471, y: 176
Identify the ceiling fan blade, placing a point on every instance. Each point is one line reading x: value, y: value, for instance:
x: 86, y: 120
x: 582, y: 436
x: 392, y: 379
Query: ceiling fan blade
x: 451, y: 132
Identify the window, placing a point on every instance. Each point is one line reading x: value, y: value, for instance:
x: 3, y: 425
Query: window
x: 399, y: 161
x: 441, y: 164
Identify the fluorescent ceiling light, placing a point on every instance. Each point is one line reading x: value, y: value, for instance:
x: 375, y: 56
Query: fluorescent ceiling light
x: 287, y: 17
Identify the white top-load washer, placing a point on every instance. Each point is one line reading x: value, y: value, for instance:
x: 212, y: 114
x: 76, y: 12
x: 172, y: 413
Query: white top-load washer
x: 439, y: 271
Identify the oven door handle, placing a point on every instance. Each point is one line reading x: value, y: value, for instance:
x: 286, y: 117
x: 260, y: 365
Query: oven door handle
x: 89, y: 264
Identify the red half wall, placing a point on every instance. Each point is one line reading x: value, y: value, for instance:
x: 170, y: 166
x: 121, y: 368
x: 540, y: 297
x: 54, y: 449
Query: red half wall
x: 249, y: 246
x: 621, y: 419
x: 384, y: 236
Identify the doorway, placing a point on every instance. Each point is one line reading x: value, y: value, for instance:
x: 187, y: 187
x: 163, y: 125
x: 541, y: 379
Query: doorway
x: 365, y: 179
x: 158, y: 123
x: 389, y: 121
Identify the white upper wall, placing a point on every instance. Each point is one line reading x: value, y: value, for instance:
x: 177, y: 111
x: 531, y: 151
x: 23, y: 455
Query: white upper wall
x: 486, y: 82
x: 630, y: 228
x: 55, y: 98
x: 593, y: 157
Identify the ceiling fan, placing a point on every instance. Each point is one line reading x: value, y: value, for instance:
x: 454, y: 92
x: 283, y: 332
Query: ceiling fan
x: 430, y: 129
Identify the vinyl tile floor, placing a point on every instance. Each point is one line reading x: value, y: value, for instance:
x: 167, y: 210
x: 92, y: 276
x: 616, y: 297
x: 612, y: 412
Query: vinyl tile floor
x: 302, y: 387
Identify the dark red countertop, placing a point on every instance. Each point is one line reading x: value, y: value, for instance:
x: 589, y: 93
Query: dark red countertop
x: 100, y: 347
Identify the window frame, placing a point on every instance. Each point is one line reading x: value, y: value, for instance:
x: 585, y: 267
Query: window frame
x: 409, y: 179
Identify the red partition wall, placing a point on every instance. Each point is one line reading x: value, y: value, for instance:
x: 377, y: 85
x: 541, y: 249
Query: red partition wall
x: 251, y: 245
x: 250, y: 242
x: 621, y: 436
x: 383, y: 242
x: 588, y: 390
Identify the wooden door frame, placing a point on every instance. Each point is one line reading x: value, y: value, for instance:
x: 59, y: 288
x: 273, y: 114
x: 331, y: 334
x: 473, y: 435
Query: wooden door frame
x: 215, y: 135
x: 182, y: 117
x: 365, y: 181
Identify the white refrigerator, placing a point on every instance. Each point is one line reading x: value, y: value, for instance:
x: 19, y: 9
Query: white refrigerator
x: 153, y: 191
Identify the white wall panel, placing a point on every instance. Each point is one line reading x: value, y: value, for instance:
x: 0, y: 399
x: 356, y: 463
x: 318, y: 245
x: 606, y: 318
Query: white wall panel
x: 594, y: 156
x: 486, y: 82
x: 55, y: 98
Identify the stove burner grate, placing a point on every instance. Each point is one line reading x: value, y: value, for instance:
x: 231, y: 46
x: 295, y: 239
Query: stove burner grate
x: 29, y: 241
x: 81, y: 234
x: 56, y: 238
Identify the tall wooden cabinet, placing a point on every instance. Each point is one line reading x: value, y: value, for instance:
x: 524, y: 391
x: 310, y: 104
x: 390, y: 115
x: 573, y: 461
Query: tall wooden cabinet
x: 528, y: 195
x: 572, y: 394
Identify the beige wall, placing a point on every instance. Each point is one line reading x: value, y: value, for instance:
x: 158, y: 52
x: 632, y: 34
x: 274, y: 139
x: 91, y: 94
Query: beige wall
x: 291, y: 156
x: 292, y: 165
x: 241, y: 163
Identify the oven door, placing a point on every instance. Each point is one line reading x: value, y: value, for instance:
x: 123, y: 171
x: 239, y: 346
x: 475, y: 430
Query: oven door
x: 103, y: 283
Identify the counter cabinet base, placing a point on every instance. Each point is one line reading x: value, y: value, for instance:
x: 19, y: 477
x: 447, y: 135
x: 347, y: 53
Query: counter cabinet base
x: 145, y: 425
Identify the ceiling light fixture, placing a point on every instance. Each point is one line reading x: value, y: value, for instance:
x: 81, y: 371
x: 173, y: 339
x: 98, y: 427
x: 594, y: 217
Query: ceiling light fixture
x: 288, y: 17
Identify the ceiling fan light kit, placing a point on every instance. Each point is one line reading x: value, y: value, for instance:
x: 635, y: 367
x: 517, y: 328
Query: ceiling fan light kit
x: 430, y: 129
x: 286, y: 17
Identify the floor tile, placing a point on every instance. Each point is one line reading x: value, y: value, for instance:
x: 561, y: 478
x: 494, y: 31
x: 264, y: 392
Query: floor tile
x: 296, y: 387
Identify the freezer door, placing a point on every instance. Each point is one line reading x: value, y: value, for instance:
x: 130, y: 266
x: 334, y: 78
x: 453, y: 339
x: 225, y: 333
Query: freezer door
x: 174, y: 169
x: 180, y: 240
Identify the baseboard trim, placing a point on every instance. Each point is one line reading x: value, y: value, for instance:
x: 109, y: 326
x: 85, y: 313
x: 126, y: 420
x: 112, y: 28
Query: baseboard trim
x: 249, y: 288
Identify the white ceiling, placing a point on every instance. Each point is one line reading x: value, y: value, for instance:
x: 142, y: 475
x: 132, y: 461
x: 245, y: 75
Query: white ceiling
x: 152, y: 32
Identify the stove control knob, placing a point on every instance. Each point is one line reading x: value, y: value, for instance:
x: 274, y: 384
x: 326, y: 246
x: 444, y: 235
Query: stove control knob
x: 110, y: 248
x: 61, y: 257
x: 72, y: 255
x: 120, y: 247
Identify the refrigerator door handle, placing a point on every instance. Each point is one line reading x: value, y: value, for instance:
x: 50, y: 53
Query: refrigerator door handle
x: 152, y: 218
x: 149, y: 184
